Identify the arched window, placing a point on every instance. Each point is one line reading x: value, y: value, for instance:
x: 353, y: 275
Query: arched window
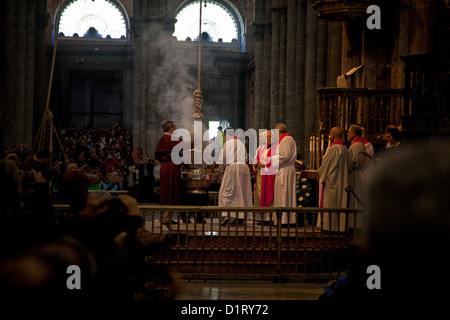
x: 93, y: 19
x: 220, y: 23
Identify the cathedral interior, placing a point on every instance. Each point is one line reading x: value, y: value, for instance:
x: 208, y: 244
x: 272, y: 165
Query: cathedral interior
x: 312, y: 65
x: 309, y: 64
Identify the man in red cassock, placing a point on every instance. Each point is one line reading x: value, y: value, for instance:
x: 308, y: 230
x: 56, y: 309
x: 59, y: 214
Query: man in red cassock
x: 170, y: 174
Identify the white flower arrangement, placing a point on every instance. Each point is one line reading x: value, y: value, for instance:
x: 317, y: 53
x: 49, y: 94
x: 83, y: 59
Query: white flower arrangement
x: 304, y: 192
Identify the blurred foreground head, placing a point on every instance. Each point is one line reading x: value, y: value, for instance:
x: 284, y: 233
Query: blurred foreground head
x: 408, y: 227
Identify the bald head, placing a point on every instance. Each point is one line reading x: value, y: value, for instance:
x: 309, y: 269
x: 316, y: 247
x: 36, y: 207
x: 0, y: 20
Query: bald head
x: 336, y: 133
x: 281, y: 128
x: 356, y: 130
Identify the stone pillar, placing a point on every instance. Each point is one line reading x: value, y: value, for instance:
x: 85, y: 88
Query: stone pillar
x: 41, y: 62
x: 259, y: 75
x: 311, y: 101
x: 291, y: 67
x: 150, y: 58
x: 24, y: 82
x: 321, y: 73
x: 7, y: 111
x: 138, y: 122
x: 275, y: 67
x: 299, y: 133
x: 282, y: 66
x: 152, y: 29
x: 267, y: 76
x: 20, y: 29
x: 29, y: 69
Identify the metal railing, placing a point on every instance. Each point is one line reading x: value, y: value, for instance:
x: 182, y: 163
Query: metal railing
x: 199, y: 246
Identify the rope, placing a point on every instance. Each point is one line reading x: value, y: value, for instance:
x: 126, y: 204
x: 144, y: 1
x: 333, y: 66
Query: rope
x: 40, y: 139
x: 198, y: 98
x: 199, y: 47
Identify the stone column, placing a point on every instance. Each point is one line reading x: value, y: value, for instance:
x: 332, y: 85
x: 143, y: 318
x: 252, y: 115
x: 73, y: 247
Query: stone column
x: 153, y: 129
x: 299, y: 134
x: 136, y: 32
x: 29, y: 69
x: 20, y: 29
x: 275, y: 67
x: 291, y: 67
x: 267, y: 78
x: 259, y: 75
x: 8, y: 86
x: 152, y: 26
x: 311, y: 101
x: 282, y: 66
x: 41, y: 62
x: 321, y: 73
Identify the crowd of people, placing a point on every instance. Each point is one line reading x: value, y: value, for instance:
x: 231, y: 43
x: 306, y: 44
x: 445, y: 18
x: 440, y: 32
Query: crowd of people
x: 91, y: 159
x: 102, y: 233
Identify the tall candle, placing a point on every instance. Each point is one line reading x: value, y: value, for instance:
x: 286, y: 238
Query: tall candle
x: 314, y: 153
x: 317, y: 153
x: 310, y: 153
x: 321, y: 144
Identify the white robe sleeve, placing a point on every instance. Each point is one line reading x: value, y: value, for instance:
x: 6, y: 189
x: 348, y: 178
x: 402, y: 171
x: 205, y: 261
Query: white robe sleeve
x: 286, y: 153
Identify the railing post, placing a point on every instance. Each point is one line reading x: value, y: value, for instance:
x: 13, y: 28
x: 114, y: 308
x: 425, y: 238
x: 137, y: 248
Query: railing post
x: 279, y: 241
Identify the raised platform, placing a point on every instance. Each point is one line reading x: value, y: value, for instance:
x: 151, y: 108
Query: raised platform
x: 209, y: 250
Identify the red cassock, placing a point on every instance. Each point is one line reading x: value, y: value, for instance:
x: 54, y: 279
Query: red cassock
x: 267, y: 181
x: 170, y: 174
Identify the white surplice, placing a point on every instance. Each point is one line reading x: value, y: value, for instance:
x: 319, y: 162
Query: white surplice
x: 235, y: 187
x: 285, y: 179
x: 333, y: 179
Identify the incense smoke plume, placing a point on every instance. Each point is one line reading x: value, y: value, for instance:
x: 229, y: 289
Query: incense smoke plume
x: 173, y: 76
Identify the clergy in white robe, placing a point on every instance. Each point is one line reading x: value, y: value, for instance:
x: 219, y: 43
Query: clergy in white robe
x: 285, y: 179
x: 357, y: 173
x: 333, y: 179
x: 235, y: 187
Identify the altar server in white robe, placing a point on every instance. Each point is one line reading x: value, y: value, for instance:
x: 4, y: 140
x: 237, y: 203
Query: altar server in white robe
x: 333, y: 179
x: 285, y: 179
x: 357, y: 173
x: 235, y: 188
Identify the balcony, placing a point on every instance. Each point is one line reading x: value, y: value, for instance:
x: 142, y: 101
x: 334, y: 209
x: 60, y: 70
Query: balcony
x: 374, y: 109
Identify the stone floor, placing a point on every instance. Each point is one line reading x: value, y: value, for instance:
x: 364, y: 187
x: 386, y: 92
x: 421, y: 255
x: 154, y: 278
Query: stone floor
x: 247, y: 290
